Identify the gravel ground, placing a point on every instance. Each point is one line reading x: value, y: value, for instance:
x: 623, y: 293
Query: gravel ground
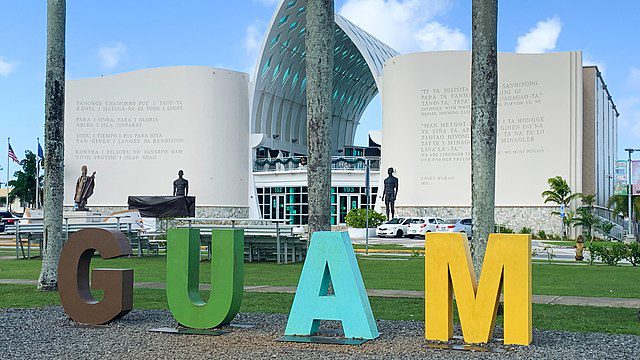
x: 48, y: 334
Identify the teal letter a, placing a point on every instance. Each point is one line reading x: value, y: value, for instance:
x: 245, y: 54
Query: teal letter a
x: 227, y: 277
x: 331, y: 259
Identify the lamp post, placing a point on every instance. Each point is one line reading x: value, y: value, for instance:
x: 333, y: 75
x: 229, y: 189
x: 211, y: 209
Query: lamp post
x: 367, y: 184
x: 630, y: 234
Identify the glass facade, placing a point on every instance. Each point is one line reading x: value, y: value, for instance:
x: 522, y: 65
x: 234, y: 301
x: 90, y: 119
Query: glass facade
x: 291, y: 202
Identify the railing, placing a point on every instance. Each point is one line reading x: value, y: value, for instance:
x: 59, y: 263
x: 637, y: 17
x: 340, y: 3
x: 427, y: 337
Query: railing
x: 299, y: 163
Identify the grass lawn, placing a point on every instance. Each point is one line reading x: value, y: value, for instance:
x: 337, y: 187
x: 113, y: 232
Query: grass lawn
x: 548, y: 279
x: 552, y: 317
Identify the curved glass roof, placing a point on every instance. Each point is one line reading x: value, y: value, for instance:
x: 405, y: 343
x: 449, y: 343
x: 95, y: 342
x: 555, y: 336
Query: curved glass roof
x: 279, y: 101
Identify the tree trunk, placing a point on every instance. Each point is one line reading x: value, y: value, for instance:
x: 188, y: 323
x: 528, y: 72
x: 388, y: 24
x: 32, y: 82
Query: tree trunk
x: 484, y: 110
x: 319, y: 40
x: 54, y: 145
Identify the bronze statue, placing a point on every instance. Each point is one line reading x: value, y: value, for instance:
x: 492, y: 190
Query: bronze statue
x: 390, y: 193
x: 84, y: 189
x: 180, y: 185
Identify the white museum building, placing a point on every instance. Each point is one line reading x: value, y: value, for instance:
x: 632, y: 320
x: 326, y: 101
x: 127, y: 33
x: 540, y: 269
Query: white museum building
x: 241, y: 139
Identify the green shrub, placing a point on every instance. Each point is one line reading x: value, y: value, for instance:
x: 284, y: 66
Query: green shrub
x: 502, y: 229
x: 542, y: 235
x: 633, y: 253
x: 356, y: 218
x: 525, y: 230
x: 610, y: 255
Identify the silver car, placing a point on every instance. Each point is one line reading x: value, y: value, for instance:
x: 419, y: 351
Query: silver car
x: 456, y: 225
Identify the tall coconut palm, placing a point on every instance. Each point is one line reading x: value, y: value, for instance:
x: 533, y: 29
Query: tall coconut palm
x: 560, y: 193
x: 54, y: 145
x: 319, y: 40
x: 484, y: 111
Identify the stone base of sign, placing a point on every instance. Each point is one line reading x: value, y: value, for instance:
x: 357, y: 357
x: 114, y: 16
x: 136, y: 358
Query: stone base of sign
x: 321, y: 340
x: 534, y: 217
x: 188, y: 331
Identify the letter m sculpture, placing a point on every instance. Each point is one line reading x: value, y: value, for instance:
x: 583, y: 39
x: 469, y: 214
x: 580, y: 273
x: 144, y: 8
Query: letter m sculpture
x: 449, y: 270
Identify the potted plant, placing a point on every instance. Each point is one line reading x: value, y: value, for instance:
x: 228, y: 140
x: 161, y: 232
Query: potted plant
x: 357, y: 221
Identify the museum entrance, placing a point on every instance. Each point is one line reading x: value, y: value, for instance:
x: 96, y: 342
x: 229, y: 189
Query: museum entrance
x: 347, y: 203
x: 277, y: 207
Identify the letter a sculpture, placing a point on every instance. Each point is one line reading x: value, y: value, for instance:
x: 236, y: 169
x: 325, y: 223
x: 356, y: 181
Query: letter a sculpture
x: 331, y: 260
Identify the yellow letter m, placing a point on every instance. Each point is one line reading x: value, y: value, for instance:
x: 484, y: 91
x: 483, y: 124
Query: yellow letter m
x: 449, y: 270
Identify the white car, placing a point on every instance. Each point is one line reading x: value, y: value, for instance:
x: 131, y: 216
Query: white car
x: 421, y: 226
x: 457, y: 225
x: 396, y: 227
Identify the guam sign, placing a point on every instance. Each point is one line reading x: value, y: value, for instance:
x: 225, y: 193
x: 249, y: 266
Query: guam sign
x: 330, y: 260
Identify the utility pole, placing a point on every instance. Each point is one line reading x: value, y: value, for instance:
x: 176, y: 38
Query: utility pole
x: 630, y: 234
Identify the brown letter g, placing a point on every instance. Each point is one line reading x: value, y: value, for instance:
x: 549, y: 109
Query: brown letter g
x: 73, y: 274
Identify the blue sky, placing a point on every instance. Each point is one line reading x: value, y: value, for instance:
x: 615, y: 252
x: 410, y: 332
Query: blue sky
x: 108, y: 37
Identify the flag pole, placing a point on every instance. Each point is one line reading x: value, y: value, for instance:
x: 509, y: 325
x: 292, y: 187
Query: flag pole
x: 37, y: 202
x: 8, y: 144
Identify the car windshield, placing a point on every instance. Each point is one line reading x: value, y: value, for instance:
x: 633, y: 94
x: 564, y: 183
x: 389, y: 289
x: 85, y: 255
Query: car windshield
x: 417, y: 221
x: 395, y: 221
x: 451, y: 221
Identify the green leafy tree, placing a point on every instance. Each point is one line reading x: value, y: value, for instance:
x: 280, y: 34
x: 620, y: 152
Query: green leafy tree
x: 588, y: 220
x: 620, y: 204
x: 24, y: 185
x: 560, y: 193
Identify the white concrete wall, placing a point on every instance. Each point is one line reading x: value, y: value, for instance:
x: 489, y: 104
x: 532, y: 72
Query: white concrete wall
x: 426, y: 125
x: 137, y: 129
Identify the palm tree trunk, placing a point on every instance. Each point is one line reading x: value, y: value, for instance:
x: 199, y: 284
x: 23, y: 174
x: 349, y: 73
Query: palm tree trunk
x: 319, y: 40
x: 54, y: 145
x: 484, y: 97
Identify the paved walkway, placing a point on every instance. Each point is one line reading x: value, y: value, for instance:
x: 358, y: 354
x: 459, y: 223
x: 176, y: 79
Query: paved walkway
x: 537, y: 299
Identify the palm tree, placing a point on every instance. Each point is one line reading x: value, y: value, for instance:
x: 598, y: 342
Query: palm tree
x: 54, y: 145
x: 319, y: 40
x: 560, y: 193
x: 484, y: 110
x: 620, y: 204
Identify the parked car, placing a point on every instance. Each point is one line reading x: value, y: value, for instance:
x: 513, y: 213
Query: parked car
x: 6, y: 218
x: 421, y: 226
x: 456, y: 225
x: 396, y: 227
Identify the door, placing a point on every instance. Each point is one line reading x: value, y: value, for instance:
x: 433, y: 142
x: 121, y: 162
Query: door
x: 277, y: 207
x: 347, y: 203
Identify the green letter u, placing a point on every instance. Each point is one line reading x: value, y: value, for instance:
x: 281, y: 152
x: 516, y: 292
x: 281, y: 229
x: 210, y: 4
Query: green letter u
x: 227, y: 277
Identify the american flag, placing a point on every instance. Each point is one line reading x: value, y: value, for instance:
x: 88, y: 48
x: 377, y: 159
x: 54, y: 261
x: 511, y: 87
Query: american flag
x: 12, y: 155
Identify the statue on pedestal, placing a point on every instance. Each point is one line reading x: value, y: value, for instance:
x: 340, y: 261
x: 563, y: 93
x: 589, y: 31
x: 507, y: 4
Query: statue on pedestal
x: 390, y: 193
x: 180, y: 185
x: 84, y: 189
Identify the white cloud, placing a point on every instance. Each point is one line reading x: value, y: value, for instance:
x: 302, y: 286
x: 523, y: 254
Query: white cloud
x: 6, y: 67
x: 253, y: 37
x: 634, y: 77
x: 252, y: 42
x: 435, y: 36
x: 267, y: 2
x: 587, y: 60
x: 110, y: 56
x: 541, y: 38
x: 406, y: 25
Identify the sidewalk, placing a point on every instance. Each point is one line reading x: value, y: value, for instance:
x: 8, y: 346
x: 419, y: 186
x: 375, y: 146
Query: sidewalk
x: 537, y: 299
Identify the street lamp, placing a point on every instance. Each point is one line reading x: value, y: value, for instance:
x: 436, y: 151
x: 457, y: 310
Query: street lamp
x: 630, y: 234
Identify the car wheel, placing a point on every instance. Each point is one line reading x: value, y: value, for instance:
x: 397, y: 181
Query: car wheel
x: 399, y: 234
x: 411, y: 236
